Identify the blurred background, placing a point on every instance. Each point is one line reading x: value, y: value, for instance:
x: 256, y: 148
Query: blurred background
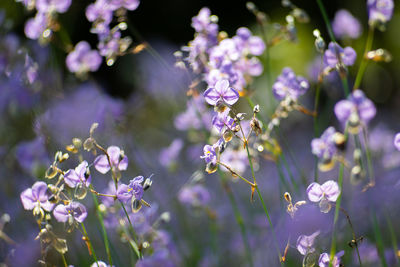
x: 137, y: 101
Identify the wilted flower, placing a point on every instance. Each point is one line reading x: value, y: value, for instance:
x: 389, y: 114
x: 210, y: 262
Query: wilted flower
x: 79, y: 175
x: 221, y: 94
x: 379, y: 11
x: 325, y: 193
x: 74, y: 211
x: 355, y: 110
x: 36, y: 198
x: 289, y: 85
x: 344, y: 25
x: 324, y: 259
x: 82, y: 59
x: 347, y: 55
x: 117, y: 158
x: 305, y: 243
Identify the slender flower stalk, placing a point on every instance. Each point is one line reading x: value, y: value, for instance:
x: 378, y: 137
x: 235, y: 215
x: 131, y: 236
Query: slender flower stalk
x: 364, y: 61
x: 378, y: 239
x: 64, y: 260
x: 89, y: 244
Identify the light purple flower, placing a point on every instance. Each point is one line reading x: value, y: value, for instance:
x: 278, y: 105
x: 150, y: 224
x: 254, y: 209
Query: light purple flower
x: 344, y: 25
x: 347, y: 55
x: 196, y: 195
x: 305, y: 243
x: 358, y: 104
x: 222, y: 120
x: 79, y: 175
x: 209, y: 154
x: 329, y: 191
x: 170, y: 154
x: 74, y: 210
x: 35, y: 27
x: 100, y: 10
x: 236, y: 159
x: 82, y: 59
x: 324, y: 147
x: 117, y: 158
x: 127, y: 4
x: 202, y: 23
x: 48, y: 6
x: 36, y: 197
x: 125, y: 193
x: 324, y: 259
x: 397, y: 141
x: 380, y: 11
x: 247, y: 43
x: 289, y: 85
x: 221, y: 92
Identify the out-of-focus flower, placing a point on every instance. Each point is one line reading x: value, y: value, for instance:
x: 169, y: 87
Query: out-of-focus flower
x: 289, y: 85
x: 347, y: 55
x: 36, y: 197
x: 170, y: 154
x: 82, y: 59
x: 244, y: 40
x: 74, y: 210
x: 324, y: 147
x: 196, y: 195
x: 32, y: 155
x: 324, y: 259
x: 305, y: 243
x: 196, y: 116
x: 221, y: 94
x: 222, y: 120
x: 127, y: 4
x: 397, y: 141
x: 379, y: 11
x: 325, y: 193
x: 49, y: 6
x: 79, y: 175
x: 117, y: 158
x: 35, y: 27
x: 355, y: 110
x: 236, y: 159
x: 345, y: 25
x: 100, y: 264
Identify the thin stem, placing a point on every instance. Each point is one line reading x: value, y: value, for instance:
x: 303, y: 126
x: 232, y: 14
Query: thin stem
x: 316, y: 128
x: 103, y: 229
x: 393, y: 238
x: 369, y: 160
x: 137, y: 251
x: 64, y: 260
x: 236, y: 174
x: 89, y: 244
x: 238, y: 217
x: 286, y: 165
x: 326, y: 19
x: 378, y: 239
x: 364, y: 61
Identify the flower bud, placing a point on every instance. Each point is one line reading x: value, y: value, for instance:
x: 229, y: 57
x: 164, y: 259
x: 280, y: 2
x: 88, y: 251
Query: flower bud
x: 256, y: 108
x: 228, y: 135
x: 80, y: 191
x: 147, y: 184
x: 136, y: 205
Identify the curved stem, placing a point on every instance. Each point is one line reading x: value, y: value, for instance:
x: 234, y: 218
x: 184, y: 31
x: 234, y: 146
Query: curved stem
x: 89, y: 244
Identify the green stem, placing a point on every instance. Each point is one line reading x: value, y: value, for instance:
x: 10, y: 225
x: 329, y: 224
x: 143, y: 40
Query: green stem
x: 103, y: 229
x: 337, y: 209
x: 316, y: 128
x: 293, y: 181
x: 369, y: 158
x: 378, y: 239
x: 90, y: 245
x: 393, y: 238
x: 64, y: 260
x: 326, y: 19
x: 134, y: 246
x: 238, y: 217
x: 364, y: 61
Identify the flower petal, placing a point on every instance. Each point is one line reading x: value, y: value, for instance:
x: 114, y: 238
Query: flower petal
x: 231, y: 96
x: 314, y: 192
x: 71, y: 178
x: 61, y: 213
x: 211, y: 96
x: 331, y: 190
x: 27, y: 199
x: 101, y: 164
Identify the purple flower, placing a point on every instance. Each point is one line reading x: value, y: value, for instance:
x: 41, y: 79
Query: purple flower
x: 125, y: 193
x: 99, y: 11
x: 35, y: 27
x: 170, y: 154
x: 209, y: 154
x: 324, y: 259
x: 49, y: 6
x: 329, y: 191
x: 324, y: 147
x: 100, y: 264
x: 203, y: 23
x: 196, y: 195
x: 397, y: 141
x: 127, y: 4
x: 36, y: 197
x: 244, y: 40
x: 236, y: 159
x: 32, y: 155
x: 380, y: 11
x: 305, y: 243
x: 347, y: 55
x: 222, y: 120
x: 117, y: 158
x: 74, y: 210
x: 344, y: 25
x: 74, y: 177
x: 221, y: 93
x: 196, y: 116
x: 82, y: 59
x: 355, y: 109
x: 289, y: 85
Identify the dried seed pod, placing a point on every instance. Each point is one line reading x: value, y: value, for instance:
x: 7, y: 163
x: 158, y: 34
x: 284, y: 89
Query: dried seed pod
x: 211, y: 168
x: 51, y: 172
x: 340, y: 140
x: 256, y: 126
